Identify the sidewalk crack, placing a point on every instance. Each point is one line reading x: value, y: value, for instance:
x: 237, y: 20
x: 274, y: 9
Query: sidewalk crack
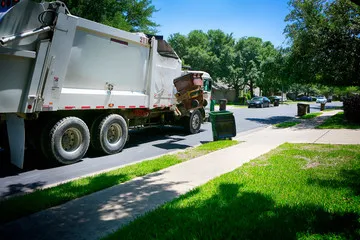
x: 321, y: 136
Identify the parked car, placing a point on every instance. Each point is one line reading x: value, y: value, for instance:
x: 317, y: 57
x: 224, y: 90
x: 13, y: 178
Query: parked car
x: 275, y: 100
x: 259, y: 102
x: 304, y: 98
x: 321, y: 99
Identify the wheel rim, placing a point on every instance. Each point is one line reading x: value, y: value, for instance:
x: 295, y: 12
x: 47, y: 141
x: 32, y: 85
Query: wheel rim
x: 195, y: 121
x: 71, y: 139
x: 114, y: 133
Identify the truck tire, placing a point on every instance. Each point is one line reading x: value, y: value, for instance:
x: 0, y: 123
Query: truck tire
x: 111, y: 134
x: 67, y: 141
x: 192, y: 124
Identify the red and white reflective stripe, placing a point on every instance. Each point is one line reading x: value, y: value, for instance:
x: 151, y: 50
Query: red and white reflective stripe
x: 103, y: 107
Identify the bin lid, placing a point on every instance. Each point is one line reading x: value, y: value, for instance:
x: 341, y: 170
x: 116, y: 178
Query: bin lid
x: 215, y: 113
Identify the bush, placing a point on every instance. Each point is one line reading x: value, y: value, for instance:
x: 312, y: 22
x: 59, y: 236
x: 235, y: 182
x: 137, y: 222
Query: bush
x: 243, y: 100
x: 352, y: 108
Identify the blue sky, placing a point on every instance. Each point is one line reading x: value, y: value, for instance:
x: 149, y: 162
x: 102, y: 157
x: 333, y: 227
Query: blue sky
x: 259, y: 18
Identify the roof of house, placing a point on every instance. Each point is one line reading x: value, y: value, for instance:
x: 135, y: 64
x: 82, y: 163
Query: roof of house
x: 219, y: 85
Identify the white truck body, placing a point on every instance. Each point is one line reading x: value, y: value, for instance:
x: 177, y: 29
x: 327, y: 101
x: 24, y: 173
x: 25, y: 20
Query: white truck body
x: 77, y: 65
x: 83, y: 62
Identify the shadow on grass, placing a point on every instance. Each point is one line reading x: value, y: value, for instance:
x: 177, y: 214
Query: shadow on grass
x: 237, y: 214
x: 15, y: 207
x: 350, y: 179
x: 94, y: 216
x: 310, y: 123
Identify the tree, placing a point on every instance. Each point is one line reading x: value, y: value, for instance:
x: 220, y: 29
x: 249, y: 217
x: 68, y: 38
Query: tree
x: 231, y: 61
x: 325, y: 42
x: 250, y: 49
x: 248, y: 61
x: 203, y: 51
x: 272, y: 68
x: 179, y: 43
x: 128, y: 15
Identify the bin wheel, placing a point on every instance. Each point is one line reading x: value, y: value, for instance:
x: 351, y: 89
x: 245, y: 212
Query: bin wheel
x: 192, y: 124
x: 67, y: 141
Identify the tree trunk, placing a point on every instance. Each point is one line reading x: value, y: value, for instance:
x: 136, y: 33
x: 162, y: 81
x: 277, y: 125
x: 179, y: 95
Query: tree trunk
x: 236, y: 88
x: 251, y: 85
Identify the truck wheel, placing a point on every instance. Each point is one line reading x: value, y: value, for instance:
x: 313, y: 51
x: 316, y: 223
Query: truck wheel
x: 111, y: 134
x: 193, y: 123
x: 67, y: 141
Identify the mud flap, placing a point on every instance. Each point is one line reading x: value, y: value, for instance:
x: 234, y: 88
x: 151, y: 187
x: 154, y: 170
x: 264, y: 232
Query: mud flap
x: 16, y: 135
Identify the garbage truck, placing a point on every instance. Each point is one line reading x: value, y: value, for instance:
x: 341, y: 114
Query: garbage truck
x: 68, y: 84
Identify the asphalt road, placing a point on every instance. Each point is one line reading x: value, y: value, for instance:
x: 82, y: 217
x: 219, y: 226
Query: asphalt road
x: 143, y: 144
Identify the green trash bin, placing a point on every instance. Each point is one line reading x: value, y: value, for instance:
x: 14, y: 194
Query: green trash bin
x: 223, y: 125
x: 212, y: 105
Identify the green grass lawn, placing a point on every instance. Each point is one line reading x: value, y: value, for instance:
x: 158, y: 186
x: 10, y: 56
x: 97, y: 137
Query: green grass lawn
x: 338, y: 121
x: 297, y: 191
x: 311, y: 115
x: 20, y: 206
x: 287, y: 124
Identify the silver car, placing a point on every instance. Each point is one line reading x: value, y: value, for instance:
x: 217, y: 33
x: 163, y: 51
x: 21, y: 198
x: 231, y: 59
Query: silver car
x: 321, y: 99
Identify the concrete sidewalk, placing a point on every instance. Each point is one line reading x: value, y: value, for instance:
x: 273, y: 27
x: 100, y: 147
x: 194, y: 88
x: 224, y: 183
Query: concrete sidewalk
x: 99, y: 214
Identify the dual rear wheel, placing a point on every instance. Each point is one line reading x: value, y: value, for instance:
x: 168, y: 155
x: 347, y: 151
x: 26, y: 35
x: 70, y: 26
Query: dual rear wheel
x: 68, y: 140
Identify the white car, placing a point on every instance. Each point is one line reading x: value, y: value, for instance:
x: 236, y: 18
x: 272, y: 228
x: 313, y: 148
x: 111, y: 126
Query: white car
x: 321, y: 99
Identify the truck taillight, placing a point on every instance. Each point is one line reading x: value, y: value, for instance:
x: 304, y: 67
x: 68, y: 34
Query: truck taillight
x: 3, y: 3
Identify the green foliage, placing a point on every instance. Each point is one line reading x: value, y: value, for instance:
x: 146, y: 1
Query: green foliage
x: 237, y: 63
x: 325, y: 42
x: 128, y: 15
x: 307, y: 90
x: 352, y: 108
x: 346, y: 91
x: 298, y: 191
x: 243, y: 100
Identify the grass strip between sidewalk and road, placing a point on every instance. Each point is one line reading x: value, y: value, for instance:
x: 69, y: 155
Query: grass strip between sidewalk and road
x: 296, y: 191
x: 311, y: 115
x: 19, y: 206
x: 338, y: 121
x: 287, y: 124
